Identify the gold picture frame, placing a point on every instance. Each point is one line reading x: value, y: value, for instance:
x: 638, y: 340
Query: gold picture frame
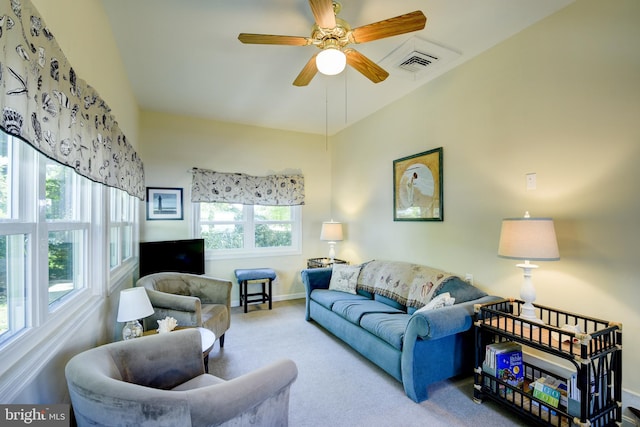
x: 417, y: 187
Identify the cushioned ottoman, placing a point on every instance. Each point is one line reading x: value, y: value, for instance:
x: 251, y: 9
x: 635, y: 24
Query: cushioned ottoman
x: 259, y: 275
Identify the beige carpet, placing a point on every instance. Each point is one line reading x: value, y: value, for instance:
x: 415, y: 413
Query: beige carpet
x: 336, y: 386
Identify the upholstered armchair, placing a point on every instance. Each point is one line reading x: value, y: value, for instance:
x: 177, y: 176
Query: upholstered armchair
x: 191, y: 299
x: 159, y: 380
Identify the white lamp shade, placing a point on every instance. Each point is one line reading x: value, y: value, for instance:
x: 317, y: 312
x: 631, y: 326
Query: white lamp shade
x: 531, y: 239
x: 331, y: 61
x: 134, y: 304
x: 331, y: 231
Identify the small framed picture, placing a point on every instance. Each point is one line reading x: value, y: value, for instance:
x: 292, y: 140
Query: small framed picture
x: 417, y: 187
x: 164, y: 203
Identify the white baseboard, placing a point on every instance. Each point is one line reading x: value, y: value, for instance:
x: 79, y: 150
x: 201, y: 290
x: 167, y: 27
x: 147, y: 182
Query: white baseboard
x: 236, y: 303
x: 630, y: 398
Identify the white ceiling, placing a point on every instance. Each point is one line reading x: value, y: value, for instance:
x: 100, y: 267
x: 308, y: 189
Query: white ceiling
x: 183, y: 56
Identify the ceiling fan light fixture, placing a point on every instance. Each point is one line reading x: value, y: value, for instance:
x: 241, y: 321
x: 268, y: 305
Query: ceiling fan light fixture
x: 331, y: 61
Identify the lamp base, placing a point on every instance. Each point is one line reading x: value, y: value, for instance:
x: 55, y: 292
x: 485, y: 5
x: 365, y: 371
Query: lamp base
x: 528, y: 295
x: 332, y: 251
x: 132, y: 329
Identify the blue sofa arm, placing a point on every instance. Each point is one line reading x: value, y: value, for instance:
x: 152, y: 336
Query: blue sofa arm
x: 435, y: 324
x: 434, y: 345
x: 314, y: 278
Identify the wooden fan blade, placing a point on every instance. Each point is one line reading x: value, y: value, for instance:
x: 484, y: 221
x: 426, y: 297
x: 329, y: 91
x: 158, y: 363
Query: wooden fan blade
x: 323, y: 12
x: 367, y: 67
x: 308, y: 72
x: 402, y: 24
x: 273, y: 39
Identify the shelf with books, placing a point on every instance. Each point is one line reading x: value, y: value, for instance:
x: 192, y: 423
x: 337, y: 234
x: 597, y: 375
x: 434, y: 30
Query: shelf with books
x: 590, y: 394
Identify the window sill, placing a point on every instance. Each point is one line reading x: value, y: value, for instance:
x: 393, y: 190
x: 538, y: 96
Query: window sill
x: 210, y: 255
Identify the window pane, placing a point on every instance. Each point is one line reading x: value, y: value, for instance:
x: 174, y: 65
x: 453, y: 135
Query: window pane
x: 273, y: 235
x: 221, y: 212
x: 59, y: 191
x: 127, y: 206
x: 113, y: 247
x: 127, y: 245
x: 224, y: 236
x: 272, y: 213
x: 114, y: 205
x: 66, y: 259
x: 5, y: 177
x: 13, y: 264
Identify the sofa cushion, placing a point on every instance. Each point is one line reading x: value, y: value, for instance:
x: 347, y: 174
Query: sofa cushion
x: 364, y: 293
x: 460, y: 290
x: 353, y: 310
x: 344, y: 278
x: 327, y: 298
x: 388, y: 327
x: 390, y: 302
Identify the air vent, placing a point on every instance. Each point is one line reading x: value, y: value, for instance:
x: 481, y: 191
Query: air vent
x: 417, y: 61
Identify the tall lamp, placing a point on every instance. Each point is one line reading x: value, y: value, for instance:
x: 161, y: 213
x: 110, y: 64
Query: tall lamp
x: 331, y: 232
x: 134, y: 304
x: 528, y: 239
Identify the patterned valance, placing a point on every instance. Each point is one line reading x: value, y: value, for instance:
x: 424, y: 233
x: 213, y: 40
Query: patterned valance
x: 271, y: 190
x: 47, y: 105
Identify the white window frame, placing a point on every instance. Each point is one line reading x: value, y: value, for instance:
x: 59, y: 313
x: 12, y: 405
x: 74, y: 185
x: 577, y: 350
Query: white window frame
x: 249, y: 222
x: 80, y: 222
x: 123, y: 214
x: 48, y: 326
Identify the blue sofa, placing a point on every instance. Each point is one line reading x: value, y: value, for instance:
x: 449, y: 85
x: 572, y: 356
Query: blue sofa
x: 379, y: 319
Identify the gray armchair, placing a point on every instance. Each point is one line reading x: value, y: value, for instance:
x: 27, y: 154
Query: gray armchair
x: 159, y: 380
x: 191, y: 299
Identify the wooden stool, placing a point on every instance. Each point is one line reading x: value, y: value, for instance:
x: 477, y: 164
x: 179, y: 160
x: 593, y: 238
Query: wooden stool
x: 264, y: 275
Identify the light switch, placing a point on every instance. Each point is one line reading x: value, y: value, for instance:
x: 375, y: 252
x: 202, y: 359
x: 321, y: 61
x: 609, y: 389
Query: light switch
x: 531, y: 181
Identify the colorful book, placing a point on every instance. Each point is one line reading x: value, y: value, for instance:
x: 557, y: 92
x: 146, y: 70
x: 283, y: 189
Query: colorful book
x: 509, y: 367
x: 546, y: 393
x: 504, y: 361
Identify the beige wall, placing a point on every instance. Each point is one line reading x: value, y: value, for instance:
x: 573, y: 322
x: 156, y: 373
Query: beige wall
x: 561, y: 99
x: 172, y: 145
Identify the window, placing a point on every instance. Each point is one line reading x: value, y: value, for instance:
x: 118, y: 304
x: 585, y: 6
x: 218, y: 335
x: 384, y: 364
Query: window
x: 68, y: 230
x: 46, y: 238
x: 14, y: 243
x: 57, y: 242
x: 123, y: 211
x: 248, y: 230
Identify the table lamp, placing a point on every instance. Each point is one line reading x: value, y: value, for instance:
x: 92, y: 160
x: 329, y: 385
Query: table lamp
x: 528, y: 239
x: 134, y: 304
x: 331, y: 232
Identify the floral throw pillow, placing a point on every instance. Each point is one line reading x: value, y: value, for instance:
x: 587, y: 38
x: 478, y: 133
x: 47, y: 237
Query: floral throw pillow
x: 344, y: 278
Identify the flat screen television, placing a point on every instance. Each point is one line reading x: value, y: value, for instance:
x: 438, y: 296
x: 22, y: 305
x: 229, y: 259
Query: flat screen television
x: 181, y: 256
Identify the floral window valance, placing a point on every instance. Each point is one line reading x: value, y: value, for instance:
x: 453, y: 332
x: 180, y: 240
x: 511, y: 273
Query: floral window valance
x: 271, y: 190
x: 47, y: 105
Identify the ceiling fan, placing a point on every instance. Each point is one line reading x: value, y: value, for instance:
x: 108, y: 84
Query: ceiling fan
x: 332, y: 35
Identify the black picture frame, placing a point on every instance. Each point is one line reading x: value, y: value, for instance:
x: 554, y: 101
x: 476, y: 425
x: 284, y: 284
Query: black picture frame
x: 164, y: 203
x: 418, y: 187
